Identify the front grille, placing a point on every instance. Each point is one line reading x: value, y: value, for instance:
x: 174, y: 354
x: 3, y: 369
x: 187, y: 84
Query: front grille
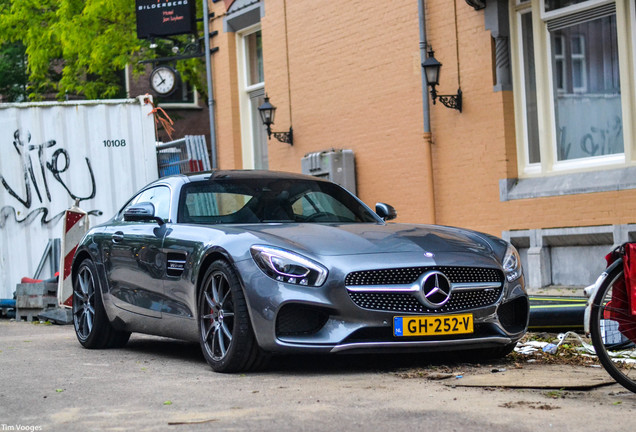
x: 401, y: 302
x: 408, y: 275
x: 406, y: 302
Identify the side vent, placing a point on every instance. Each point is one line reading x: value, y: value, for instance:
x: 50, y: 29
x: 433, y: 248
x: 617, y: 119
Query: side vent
x: 176, y: 264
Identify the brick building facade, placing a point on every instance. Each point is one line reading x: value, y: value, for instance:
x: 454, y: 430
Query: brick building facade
x: 524, y: 159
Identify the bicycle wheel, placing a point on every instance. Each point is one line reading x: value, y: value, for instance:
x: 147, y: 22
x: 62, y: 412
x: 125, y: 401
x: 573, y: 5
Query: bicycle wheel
x: 613, y: 328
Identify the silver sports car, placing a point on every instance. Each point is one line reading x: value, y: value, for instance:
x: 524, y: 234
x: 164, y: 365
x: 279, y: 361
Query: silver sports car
x: 250, y: 263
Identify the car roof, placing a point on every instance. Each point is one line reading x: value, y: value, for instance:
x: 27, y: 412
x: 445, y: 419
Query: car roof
x: 243, y: 175
x: 178, y: 180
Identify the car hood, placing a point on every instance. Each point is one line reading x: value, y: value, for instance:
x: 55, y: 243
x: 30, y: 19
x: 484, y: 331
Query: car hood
x: 354, y: 239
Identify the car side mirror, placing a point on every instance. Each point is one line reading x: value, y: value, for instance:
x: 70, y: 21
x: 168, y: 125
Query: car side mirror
x: 140, y: 212
x: 385, y: 211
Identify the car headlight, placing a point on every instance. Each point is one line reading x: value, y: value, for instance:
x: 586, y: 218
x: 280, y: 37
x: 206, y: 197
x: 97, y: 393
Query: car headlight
x: 512, y: 264
x: 288, y: 267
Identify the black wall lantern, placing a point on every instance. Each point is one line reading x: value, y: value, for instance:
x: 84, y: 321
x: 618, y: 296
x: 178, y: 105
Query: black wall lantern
x: 477, y: 4
x: 431, y: 70
x: 267, y: 111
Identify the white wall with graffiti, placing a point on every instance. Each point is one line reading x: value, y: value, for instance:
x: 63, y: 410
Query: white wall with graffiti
x: 98, y: 152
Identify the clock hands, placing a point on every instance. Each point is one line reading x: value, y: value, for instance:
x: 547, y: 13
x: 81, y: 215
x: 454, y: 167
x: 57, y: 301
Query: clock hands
x: 163, y: 80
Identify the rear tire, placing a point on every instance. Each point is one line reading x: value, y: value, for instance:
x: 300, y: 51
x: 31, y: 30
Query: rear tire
x: 225, y: 332
x: 610, y: 335
x: 92, y: 327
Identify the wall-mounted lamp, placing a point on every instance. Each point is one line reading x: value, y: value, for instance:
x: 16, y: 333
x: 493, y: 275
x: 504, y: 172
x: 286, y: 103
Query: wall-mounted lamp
x: 431, y: 70
x: 477, y: 4
x: 267, y: 111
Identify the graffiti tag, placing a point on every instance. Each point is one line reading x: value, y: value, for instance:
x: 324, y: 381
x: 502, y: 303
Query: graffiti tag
x: 58, y: 164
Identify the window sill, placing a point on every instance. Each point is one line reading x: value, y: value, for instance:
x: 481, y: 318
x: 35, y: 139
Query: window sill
x: 568, y: 184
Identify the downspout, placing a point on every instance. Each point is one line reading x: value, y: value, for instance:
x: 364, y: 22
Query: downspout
x: 422, y: 18
x: 429, y: 192
x: 208, y: 73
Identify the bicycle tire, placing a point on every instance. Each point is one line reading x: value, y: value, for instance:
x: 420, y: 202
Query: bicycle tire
x: 605, y: 333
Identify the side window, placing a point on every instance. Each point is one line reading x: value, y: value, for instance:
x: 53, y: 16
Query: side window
x: 201, y: 206
x: 159, y: 196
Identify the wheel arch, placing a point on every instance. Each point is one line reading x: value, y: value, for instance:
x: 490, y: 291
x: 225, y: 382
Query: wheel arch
x: 210, y: 257
x: 79, y: 257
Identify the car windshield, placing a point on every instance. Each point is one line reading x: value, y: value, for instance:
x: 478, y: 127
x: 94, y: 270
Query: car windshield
x: 237, y: 201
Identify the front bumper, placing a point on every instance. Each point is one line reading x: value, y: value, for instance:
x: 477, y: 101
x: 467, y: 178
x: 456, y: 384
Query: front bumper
x: 291, y: 318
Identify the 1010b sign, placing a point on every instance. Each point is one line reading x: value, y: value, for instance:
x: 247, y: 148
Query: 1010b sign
x: 156, y: 18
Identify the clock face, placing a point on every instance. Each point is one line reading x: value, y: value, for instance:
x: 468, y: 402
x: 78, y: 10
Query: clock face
x: 163, y: 80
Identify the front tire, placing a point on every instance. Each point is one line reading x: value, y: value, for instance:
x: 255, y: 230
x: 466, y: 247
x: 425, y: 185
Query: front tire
x: 225, y: 332
x: 613, y: 327
x: 92, y: 327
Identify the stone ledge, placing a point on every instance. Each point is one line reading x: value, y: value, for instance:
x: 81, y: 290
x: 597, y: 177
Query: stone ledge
x: 568, y: 184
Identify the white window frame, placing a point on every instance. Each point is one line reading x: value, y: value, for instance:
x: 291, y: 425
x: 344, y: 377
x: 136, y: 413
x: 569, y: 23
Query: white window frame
x: 247, y: 134
x: 625, y: 18
x: 522, y: 122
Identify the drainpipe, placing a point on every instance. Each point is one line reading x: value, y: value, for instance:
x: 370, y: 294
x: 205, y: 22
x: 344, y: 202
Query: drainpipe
x: 429, y: 191
x: 208, y: 73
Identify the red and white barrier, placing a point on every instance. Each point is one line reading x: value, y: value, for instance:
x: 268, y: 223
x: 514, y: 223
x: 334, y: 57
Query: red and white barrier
x: 75, y: 226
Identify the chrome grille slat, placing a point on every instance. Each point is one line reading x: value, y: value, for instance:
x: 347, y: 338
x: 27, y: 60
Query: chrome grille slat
x: 478, y: 287
x: 408, y: 275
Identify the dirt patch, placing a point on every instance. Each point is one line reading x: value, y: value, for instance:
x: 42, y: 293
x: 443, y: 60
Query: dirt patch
x: 455, y: 367
x: 528, y: 404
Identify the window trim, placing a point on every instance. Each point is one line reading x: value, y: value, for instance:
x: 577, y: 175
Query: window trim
x: 522, y: 120
x: 245, y: 112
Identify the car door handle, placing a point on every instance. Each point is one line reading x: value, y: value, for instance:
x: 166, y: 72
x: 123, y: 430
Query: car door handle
x: 117, y: 237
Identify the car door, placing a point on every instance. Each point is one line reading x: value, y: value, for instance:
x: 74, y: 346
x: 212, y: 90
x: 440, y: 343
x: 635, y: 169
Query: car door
x: 133, y: 259
x: 201, y: 207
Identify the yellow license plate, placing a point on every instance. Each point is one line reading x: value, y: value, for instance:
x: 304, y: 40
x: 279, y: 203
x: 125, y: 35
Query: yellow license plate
x: 432, y: 325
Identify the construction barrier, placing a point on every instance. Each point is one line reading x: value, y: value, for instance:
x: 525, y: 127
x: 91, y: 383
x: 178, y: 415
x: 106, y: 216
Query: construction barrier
x: 74, y: 227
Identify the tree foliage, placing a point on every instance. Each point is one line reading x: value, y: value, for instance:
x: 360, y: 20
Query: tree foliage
x: 13, y: 77
x: 76, y: 47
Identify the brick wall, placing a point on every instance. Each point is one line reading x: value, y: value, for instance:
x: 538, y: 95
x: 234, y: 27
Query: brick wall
x: 347, y: 75
x: 354, y: 80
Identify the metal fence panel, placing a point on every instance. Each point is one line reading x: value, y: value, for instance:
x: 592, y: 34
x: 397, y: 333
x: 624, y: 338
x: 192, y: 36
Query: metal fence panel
x: 185, y: 155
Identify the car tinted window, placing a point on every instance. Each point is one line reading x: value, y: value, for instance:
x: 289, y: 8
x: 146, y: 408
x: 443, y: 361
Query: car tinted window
x: 319, y: 205
x: 228, y: 201
x: 203, y: 204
